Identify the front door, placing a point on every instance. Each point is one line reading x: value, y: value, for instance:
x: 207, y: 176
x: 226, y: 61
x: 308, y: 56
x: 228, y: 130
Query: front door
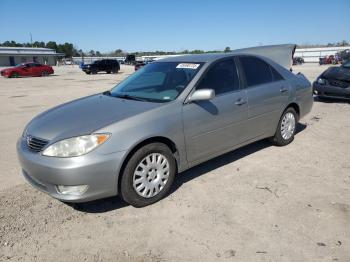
x: 210, y: 127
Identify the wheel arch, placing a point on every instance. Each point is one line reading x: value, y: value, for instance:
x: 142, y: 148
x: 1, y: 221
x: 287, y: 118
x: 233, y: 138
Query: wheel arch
x: 295, y: 106
x: 160, y: 139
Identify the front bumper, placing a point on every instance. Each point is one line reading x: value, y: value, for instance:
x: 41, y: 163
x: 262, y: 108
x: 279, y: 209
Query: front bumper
x: 331, y: 91
x: 5, y: 73
x: 98, y: 171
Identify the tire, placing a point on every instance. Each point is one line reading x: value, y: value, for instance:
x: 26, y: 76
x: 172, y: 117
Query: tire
x: 14, y: 75
x: 44, y: 73
x: 88, y: 73
x: 115, y: 71
x: 108, y: 72
x: 284, y: 138
x: 143, y: 176
x: 94, y: 72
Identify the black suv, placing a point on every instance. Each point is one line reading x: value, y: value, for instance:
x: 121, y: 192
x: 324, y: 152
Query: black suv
x: 107, y: 65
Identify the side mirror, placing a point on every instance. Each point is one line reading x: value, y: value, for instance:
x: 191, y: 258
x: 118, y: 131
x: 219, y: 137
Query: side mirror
x: 202, y: 94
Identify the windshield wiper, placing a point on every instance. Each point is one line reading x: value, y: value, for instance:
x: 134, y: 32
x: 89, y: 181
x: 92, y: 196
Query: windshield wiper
x: 125, y: 96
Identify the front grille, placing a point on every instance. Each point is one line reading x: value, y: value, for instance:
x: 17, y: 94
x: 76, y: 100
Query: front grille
x: 36, y: 144
x: 339, y: 83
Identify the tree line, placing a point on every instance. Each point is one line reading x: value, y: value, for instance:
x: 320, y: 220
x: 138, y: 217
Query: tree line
x: 66, y: 48
x: 70, y: 50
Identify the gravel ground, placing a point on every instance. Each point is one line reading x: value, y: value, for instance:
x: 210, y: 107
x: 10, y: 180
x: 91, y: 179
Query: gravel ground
x: 258, y: 203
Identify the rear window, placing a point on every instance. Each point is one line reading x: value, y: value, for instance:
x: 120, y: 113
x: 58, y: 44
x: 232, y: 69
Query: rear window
x: 256, y: 71
x: 276, y: 76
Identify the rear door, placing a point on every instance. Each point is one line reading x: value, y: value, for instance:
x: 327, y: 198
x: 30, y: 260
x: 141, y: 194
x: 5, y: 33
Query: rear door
x: 37, y: 69
x: 211, y: 127
x: 267, y: 94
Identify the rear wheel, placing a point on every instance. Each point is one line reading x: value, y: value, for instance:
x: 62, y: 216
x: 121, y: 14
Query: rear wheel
x: 44, y: 73
x: 108, y: 72
x: 115, y: 71
x: 94, y: 72
x: 286, y: 128
x: 148, y: 175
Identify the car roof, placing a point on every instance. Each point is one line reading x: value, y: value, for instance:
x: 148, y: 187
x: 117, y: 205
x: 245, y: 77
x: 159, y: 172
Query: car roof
x: 209, y: 57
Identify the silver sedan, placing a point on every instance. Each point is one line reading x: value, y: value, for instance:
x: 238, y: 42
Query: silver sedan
x: 165, y: 118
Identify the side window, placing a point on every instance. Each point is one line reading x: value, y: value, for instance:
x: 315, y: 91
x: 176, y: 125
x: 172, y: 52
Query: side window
x: 256, y: 71
x: 276, y: 76
x: 222, y: 77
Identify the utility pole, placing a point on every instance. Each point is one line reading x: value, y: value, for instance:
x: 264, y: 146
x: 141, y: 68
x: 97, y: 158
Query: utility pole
x: 31, y: 39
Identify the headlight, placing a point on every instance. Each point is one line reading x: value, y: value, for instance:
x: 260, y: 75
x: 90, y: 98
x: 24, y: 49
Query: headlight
x: 321, y: 81
x: 76, y: 146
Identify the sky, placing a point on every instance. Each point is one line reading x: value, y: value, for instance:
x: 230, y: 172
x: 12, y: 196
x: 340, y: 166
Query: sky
x: 176, y: 25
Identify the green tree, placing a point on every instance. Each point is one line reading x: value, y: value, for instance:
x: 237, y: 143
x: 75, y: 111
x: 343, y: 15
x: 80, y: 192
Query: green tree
x: 227, y: 49
x: 51, y: 45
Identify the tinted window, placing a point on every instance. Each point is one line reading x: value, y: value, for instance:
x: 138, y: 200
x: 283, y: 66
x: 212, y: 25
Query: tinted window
x: 256, y: 71
x: 222, y: 77
x: 276, y: 76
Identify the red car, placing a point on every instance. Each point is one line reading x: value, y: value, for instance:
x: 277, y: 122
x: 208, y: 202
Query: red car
x: 27, y: 69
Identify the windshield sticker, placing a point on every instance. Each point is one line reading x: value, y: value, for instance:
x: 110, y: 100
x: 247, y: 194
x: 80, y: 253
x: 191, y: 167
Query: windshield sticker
x: 188, y: 66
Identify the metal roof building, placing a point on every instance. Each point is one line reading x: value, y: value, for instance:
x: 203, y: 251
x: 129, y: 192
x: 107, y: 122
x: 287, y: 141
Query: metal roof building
x: 10, y: 56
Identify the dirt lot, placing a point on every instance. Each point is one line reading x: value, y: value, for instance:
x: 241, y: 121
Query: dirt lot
x: 259, y: 203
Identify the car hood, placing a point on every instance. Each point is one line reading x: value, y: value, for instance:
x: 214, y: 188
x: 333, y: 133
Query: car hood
x: 338, y: 73
x: 84, y: 116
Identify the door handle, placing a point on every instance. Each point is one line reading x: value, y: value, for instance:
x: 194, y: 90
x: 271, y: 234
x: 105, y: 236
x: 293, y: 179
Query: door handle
x: 240, y: 102
x: 284, y: 89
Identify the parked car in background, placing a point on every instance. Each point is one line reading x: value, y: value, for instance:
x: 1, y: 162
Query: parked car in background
x: 139, y: 64
x: 328, y: 60
x: 343, y: 55
x: 130, y: 59
x: 334, y: 82
x: 27, y: 69
x: 298, y: 60
x: 167, y: 117
x: 104, y: 65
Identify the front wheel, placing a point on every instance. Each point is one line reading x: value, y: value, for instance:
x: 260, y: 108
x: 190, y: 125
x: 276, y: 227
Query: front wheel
x: 148, y: 175
x: 286, y: 128
x: 14, y: 75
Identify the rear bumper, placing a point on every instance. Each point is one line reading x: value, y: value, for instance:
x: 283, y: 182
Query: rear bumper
x: 98, y: 171
x: 331, y: 91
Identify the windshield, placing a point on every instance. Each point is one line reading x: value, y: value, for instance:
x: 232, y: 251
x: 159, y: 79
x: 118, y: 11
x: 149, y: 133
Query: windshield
x: 346, y: 64
x: 157, y: 82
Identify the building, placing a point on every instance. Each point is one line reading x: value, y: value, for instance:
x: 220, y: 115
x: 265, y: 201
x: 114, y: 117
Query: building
x: 11, y: 56
x: 313, y: 54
